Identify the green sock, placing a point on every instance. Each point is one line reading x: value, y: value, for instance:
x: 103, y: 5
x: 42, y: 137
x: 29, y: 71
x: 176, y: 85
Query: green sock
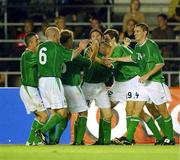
x: 154, y: 129
x: 101, y: 133
x: 128, y: 120
x: 52, y: 122
x: 169, y: 128
x: 61, y: 127
x: 161, y: 124
x: 39, y: 125
x: 52, y: 133
x: 81, y: 129
x: 75, y: 131
x: 132, y: 128
x: 107, y: 131
x: 32, y: 134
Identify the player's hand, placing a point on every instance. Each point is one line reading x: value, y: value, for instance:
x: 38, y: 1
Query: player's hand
x: 107, y: 62
x: 144, y: 78
x: 95, y: 44
x: 83, y: 43
x: 126, y: 41
x: 111, y: 59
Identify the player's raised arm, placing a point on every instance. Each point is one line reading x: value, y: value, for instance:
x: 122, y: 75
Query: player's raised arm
x: 121, y: 59
x: 82, y: 46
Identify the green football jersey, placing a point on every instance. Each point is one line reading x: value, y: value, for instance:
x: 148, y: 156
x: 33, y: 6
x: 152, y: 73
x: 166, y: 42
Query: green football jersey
x: 29, y: 70
x: 71, y: 70
x: 51, y: 56
x: 124, y: 71
x: 97, y: 73
x: 148, y: 56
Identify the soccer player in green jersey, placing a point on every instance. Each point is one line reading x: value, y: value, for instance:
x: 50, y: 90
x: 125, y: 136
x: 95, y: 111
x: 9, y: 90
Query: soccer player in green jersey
x: 71, y: 80
x: 150, y: 85
x: 124, y: 75
x: 51, y: 56
x: 94, y: 89
x: 28, y: 90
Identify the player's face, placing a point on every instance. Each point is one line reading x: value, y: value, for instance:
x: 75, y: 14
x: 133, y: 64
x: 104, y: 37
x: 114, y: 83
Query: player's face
x: 27, y: 27
x: 95, y: 24
x: 135, y: 4
x: 139, y: 34
x: 35, y: 41
x: 104, y: 49
x: 161, y: 21
x: 96, y: 36
x: 130, y: 26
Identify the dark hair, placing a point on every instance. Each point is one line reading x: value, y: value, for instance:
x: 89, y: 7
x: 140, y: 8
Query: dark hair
x: 139, y: 3
x: 162, y: 15
x: 144, y: 27
x: 29, y: 21
x: 113, y: 33
x: 95, y: 18
x: 65, y: 35
x: 28, y: 37
x: 96, y: 30
x: 133, y: 20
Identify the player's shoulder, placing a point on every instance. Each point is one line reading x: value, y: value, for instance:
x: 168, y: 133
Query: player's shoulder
x: 151, y: 42
x: 47, y: 44
x: 26, y: 53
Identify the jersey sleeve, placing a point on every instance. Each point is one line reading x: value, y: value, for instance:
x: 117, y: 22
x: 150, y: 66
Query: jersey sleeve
x: 66, y: 53
x: 33, y: 60
x: 158, y: 59
x: 82, y: 61
x: 118, y: 52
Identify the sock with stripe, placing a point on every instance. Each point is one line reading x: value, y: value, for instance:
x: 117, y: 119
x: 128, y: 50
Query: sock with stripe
x: 150, y: 123
x: 39, y: 125
x: 32, y: 134
x: 169, y: 128
x: 61, y: 127
x: 52, y: 122
x: 161, y: 124
x: 132, y: 128
x: 128, y: 120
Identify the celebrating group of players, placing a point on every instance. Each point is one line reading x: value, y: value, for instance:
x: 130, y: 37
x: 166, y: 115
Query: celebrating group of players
x: 53, y: 68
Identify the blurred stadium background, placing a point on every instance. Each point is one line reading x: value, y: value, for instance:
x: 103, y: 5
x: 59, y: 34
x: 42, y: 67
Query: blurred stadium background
x: 21, y: 16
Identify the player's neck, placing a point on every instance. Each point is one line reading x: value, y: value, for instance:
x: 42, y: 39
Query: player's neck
x: 142, y: 41
x: 32, y: 49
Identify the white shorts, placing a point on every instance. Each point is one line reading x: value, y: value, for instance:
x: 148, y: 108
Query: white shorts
x: 133, y: 92
x: 75, y: 99
x: 31, y: 99
x: 52, y: 92
x: 156, y: 92
x: 118, y: 91
x: 97, y: 92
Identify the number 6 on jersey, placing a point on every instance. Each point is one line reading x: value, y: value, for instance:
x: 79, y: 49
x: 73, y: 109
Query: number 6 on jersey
x: 42, y: 56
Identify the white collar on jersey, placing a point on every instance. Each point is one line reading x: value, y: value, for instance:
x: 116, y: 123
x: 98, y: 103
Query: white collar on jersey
x: 143, y: 43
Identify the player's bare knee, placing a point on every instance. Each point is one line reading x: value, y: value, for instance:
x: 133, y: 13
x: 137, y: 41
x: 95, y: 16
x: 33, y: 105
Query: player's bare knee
x: 63, y: 112
x: 163, y: 110
x: 144, y: 116
x: 107, y: 115
x: 42, y: 116
x: 153, y: 110
x: 84, y: 114
x: 113, y: 104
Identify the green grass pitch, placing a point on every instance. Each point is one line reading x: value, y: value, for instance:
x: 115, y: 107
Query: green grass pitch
x: 68, y: 152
